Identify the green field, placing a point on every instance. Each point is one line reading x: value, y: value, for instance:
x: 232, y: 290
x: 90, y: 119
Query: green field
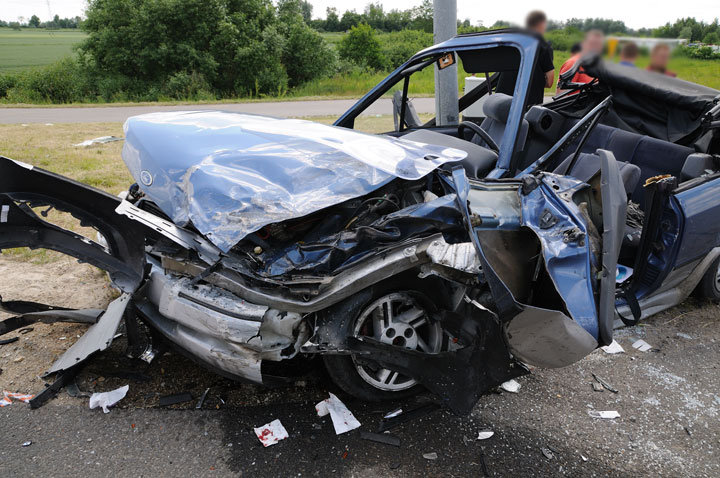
x: 31, y: 47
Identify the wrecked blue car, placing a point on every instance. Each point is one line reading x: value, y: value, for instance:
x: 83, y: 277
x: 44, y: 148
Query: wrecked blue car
x: 444, y: 257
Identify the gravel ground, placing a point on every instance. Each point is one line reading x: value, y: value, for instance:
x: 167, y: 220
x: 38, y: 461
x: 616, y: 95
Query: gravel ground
x: 668, y: 400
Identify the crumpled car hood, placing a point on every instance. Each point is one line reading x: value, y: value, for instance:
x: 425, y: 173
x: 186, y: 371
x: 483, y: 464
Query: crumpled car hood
x: 230, y: 174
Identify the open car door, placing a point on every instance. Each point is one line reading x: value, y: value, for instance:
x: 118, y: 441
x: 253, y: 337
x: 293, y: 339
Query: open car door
x: 548, y: 245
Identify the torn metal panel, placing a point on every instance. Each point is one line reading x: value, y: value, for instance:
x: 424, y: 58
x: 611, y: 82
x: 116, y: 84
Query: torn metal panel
x: 183, y: 237
x: 97, y: 338
x: 547, y: 338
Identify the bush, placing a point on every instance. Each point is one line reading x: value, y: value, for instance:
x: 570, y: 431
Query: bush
x: 183, y: 85
x: 563, y: 40
x: 362, y: 47
x: 306, y: 55
x: 398, y: 47
x: 698, y: 52
x: 6, y: 82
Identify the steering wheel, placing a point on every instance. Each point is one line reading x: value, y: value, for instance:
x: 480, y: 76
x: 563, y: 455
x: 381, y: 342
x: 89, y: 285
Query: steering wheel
x: 480, y: 132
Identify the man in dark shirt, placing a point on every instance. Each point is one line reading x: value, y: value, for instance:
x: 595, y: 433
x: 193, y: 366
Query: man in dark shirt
x: 544, y: 73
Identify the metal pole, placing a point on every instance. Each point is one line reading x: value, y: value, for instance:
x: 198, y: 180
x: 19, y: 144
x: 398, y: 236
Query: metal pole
x: 446, y: 83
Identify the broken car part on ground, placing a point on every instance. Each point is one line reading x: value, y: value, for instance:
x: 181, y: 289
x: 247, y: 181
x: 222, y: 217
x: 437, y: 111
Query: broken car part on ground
x: 448, y: 258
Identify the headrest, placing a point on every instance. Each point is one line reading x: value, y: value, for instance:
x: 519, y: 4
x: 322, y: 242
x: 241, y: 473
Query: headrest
x: 497, y: 107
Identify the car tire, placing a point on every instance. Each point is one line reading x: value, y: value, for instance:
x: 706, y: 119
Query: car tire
x: 361, y: 381
x: 709, y: 286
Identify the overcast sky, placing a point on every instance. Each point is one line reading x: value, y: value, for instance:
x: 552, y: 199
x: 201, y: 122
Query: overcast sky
x: 635, y: 13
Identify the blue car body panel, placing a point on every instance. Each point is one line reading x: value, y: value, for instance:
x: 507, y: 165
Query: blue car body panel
x: 230, y: 174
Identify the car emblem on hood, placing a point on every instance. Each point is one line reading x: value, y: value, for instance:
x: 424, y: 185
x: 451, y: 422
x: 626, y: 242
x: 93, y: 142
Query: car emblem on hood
x: 146, y: 178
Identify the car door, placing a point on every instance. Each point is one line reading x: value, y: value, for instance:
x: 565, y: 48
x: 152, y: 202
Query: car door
x: 548, y: 245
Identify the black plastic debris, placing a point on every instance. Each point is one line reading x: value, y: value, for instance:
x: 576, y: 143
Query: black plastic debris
x: 404, y: 417
x: 384, y: 438
x: 605, y: 384
x: 8, y: 341
x: 168, y: 400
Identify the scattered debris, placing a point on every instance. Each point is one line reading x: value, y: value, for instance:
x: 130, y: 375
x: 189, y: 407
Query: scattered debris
x: 202, y: 399
x: 597, y: 387
x: 430, y: 456
x: 18, y: 359
x: 413, y: 414
x: 613, y: 348
x: 583, y: 458
x: 547, y: 452
x: 605, y: 414
x: 8, y: 398
x: 27, y: 443
x: 687, y: 430
x: 174, y: 399
x: 26, y: 330
x: 642, y: 346
x: 74, y: 391
x: 511, y: 386
x: 100, y: 140
x: 343, y: 420
x: 108, y: 399
x: 604, y: 383
x: 684, y: 335
x: 271, y: 433
x: 384, y: 438
x: 8, y: 341
x: 393, y: 414
x: 485, y: 434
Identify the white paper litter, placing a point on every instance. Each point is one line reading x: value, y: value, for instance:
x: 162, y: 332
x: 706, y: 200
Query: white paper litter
x: 684, y: 335
x: 271, y: 433
x: 343, y: 420
x: 642, y: 346
x: 485, y: 434
x: 607, y: 414
x: 108, y: 399
x: 613, y: 348
x: 100, y: 140
x: 511, y: 386
x: 394, y: 413
x: 430, y: 456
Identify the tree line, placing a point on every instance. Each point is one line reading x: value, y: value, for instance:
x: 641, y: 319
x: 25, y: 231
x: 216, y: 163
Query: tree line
x: 34, y: 22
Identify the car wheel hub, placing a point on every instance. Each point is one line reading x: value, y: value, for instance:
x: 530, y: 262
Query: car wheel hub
x: 401, y: 320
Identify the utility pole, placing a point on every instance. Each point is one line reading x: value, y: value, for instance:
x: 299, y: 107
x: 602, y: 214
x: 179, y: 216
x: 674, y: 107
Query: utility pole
x: 446, y: 84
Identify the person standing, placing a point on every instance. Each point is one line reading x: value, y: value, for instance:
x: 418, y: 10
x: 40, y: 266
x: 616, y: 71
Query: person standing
x: 594, y: 42
x: 629, y: 54
x: 659, y: 58
x: 544, y: 73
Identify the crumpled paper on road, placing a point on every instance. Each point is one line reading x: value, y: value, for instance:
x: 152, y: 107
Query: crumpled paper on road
x: 343, y: 420
x: 271, y: 433
x: 108, y: 399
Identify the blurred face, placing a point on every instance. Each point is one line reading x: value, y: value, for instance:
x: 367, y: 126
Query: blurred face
x: 593, y: 43
x: 541, y: 28
x: 660, y: 57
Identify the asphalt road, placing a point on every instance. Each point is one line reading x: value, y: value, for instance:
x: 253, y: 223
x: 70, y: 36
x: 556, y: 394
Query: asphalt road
x: 271, y: 108
x: 668, y: 402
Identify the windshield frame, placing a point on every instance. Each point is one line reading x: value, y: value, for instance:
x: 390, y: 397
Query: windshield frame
x: 527, y: 46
